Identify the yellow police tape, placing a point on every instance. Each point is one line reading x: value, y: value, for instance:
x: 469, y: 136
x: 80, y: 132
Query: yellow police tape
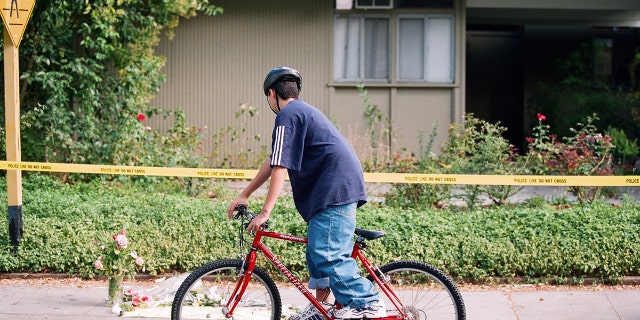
x: 520, y: 180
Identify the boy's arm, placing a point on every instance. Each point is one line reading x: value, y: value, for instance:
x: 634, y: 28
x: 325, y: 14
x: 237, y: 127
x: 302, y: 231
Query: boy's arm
x: 261, y: 177
x: 276, y: 184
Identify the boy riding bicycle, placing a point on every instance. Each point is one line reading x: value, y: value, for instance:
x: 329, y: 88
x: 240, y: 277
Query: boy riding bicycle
x: 328, y: 185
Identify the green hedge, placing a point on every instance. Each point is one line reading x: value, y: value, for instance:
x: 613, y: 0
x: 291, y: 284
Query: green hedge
x: 176, y: 233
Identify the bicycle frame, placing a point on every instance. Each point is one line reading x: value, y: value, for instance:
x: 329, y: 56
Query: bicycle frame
x: 257, y: 245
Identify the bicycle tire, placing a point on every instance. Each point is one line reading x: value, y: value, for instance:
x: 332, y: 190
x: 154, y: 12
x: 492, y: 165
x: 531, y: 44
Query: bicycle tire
x: 210, y: 286
x: 425, y: 291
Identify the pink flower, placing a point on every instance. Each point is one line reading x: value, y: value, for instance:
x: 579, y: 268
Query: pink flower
x: 141, y: 117
x: 139, y: 260
x: 121, y: 240
x: 136, y: 297
x: 98, y: 265
x: 541, y: 117
x: 118, y: 257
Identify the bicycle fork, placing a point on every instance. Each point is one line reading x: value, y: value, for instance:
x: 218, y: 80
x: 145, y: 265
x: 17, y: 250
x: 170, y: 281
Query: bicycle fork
x: 246, y: 271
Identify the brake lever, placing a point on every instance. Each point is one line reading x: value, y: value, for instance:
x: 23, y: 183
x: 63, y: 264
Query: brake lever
x: 251, y: 216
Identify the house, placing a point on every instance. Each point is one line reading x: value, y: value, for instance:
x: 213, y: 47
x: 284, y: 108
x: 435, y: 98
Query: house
x: 424, y: 63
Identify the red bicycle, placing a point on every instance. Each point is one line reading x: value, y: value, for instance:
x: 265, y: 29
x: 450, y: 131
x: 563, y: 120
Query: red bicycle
x: 238, y: 289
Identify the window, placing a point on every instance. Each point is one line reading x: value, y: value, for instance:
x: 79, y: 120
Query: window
x: 361, y: 48
x: 372, y: 4
x: 425, y: 48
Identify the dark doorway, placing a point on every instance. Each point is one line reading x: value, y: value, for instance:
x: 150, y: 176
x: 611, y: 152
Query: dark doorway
x: 494, y: 78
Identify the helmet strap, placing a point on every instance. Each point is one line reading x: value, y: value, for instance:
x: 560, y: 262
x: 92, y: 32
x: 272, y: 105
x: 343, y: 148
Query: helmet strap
x: 277, y: 102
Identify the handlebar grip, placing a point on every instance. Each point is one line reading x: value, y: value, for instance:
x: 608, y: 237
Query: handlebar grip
x: 241, y: 209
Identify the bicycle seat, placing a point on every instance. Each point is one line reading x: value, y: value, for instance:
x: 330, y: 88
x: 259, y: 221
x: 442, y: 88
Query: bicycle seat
x: 370, y: 234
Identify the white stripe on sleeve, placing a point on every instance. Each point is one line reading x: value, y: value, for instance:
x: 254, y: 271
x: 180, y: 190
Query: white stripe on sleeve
x: 276, y: 157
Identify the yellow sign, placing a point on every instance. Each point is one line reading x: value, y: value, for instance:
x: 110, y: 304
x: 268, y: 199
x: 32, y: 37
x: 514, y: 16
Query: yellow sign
x: 15, y: 15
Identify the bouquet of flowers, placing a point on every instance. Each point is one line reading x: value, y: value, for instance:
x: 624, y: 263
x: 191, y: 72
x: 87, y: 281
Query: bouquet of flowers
x: 116, y: 256
x: 133, y: 299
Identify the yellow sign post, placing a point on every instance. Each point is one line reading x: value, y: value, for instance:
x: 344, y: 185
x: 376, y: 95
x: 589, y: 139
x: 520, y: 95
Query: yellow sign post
x: 15, y: 15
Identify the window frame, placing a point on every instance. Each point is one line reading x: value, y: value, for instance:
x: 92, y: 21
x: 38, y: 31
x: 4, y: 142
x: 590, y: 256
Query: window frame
x: 361, y: 44
x: 425, y: 17
x: 393, y: 51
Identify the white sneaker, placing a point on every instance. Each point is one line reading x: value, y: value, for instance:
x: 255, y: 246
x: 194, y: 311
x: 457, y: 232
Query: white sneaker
x: 374, y: 310
x: 310, y: 313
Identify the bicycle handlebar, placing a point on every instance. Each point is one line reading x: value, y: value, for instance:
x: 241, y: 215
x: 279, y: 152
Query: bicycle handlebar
x: 243, y: 212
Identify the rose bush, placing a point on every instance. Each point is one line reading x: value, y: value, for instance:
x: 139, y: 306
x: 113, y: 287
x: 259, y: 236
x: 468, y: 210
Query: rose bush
x: 587, y: 153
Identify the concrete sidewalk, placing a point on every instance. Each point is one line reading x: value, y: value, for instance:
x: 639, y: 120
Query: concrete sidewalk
x: 57, y: 302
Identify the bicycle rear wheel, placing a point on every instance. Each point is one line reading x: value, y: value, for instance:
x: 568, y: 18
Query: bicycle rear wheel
x: 206, y: 291
x: 425, y: 292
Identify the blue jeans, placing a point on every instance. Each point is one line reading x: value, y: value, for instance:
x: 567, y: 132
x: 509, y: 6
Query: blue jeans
x: 329, y: 259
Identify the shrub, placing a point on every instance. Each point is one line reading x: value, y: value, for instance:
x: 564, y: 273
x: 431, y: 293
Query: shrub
x: 92, y: 65
x: 541, y: 146
x: 234, y: 146
x: 176, y: 233
x: 587, y: 153
x: 625, y: 150
x: 374, y: 148
x: 416, y: 195
x: 478, y: 147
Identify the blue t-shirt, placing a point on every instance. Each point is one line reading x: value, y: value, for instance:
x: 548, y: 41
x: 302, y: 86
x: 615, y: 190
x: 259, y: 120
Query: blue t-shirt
x: 323, y: 168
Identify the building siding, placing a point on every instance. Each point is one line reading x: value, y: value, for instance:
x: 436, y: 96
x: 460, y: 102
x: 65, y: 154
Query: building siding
x: 215, y: 64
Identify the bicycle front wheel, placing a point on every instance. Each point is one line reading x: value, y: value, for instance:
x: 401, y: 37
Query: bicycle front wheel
x: 205, y: 292
x: 424, y: 291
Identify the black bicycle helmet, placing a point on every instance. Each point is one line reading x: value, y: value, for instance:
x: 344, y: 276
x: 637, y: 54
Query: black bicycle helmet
x: 282, y: 74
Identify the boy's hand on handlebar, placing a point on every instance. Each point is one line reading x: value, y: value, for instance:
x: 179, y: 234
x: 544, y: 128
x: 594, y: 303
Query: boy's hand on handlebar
x: 257, y: 222
x: 234, y: 205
